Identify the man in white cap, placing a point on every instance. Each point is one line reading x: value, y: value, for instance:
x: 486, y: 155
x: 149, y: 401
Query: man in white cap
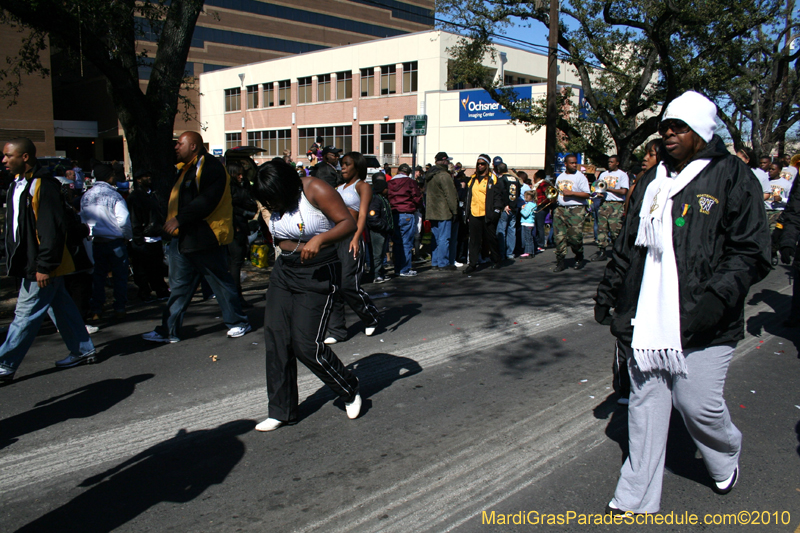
x: 694, y: 241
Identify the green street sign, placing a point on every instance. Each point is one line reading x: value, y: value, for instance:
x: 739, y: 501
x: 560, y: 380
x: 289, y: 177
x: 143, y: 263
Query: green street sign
x: 415, y: 125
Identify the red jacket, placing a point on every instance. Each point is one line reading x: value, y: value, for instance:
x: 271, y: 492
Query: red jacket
x: 405, y: 195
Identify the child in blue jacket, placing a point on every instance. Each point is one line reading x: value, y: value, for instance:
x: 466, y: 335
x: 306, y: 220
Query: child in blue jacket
x: 528, y: 214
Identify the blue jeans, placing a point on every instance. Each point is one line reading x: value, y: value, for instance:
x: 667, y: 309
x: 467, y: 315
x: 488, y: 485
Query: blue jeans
x: 528, y: 238
x: 507, y: 234
x: 184, y: 275
x: 32, y: 305
x: 404, y: 226
x: 112, y: 256
x: 442, y: 231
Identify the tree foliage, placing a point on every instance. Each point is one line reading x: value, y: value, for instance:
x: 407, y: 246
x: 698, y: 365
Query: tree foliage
x: 631, y: 57
x: 108, y: 33
x: 759, y: 95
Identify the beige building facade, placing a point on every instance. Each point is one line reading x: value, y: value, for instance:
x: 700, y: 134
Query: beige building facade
x: 355, y: 97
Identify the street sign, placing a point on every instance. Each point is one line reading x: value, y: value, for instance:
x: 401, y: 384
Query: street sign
x: 415, y: 125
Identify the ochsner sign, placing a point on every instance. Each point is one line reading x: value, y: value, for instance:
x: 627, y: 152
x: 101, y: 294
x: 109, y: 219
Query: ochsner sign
x: 476, y: 104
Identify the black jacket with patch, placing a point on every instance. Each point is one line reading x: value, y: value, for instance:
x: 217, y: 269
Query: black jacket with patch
x: 379, y: 216
x: 722, y: 248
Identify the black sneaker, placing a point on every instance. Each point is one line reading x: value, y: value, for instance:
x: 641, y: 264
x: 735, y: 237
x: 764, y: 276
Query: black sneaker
x: 448, y: 268
x: 598, y: 255
x: 497, y: 264
x: 560, y: 266
x: 578, y: 262
x: 469, y: 270
x: 724, y: 487
x: 75, y: 360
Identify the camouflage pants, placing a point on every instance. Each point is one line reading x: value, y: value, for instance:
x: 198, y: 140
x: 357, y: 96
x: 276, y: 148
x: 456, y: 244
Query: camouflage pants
x: 609, y: 223
x: 568, y: 227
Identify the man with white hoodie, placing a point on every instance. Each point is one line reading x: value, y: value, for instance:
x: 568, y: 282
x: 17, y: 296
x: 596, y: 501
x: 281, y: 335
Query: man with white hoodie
x: 694, y: 241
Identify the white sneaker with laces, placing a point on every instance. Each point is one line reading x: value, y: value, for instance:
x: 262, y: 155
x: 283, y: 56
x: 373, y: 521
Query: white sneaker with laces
x: 330, y: 340
x: 270, y: 424
x: 91, y: 329
x: 239, y: 331
x: 153, y: 336
x: 353, y: 408
x: 369, y: 331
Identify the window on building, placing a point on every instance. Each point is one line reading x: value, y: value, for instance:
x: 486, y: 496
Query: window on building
x: 344, y: 85
x: 368, y: 139
x: 508, y: 80
x: 367, y: 82
x: 343, y: 138
x: 324, y: 88
x: 233, y: 99
x: 285, y: 92
x: 273, y: 141
x: 388, y: 79
x: 410, y: 78
x: 339, y: 136
x: 232, y: 140
x: 521, y: 81
x: 269, y: 95
x: 252, y: 96
x: 387, y: 132
x: 304, y: 90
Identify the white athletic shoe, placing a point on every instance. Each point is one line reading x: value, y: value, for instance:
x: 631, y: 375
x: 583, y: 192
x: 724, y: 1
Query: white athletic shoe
x: 91, y: 329
x: 330, y: 340
x: 369, y: 331
x: 724, y: 487
x: 239, y: 331
x: 353, y: 408
x: 270, y: 424
x: 458, y: 265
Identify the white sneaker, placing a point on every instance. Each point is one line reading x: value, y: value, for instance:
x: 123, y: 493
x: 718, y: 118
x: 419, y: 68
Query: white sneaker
x: 724, y: 487
x: 239, y: 331
x: 155, y: 337
x: 330, y: 340
x: 270, y: 424
x: 91, y: 329
x: 353, y: 408
x: 369, y: 331
x: 458, y: 265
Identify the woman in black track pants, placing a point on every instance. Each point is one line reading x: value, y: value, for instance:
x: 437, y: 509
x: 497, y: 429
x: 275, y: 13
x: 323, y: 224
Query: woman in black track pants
x: 308, y: 219
x: 357, y: 195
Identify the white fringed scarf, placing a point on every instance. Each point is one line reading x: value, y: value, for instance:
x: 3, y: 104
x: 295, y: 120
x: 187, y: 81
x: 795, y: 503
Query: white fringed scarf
x: 656, y: 339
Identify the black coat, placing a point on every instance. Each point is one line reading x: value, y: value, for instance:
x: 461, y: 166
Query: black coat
x: 244, y: 209
x: 146, y: 217
x: 198, y: 202
x: 791, y: 223
x: 379, y: 216
x: 327, y: 173
x: 43, y: 233
x: 723, y: 249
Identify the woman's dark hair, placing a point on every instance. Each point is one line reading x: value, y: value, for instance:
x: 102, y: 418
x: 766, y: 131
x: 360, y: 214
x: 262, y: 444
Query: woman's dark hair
x: 360, y: 162
x: 658, y: 146
x: 278, y: 186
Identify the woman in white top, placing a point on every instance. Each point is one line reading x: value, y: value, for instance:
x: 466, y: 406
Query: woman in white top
x: 357, y: 195
x: 307, y: 219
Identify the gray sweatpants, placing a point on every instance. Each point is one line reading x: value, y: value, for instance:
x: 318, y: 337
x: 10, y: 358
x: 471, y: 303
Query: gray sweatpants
x: 698, y: 398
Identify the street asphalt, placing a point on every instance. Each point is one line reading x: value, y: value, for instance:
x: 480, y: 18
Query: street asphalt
x: 485, y: 396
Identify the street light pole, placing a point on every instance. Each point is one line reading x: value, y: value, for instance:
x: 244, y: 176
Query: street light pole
x: 552, y: 107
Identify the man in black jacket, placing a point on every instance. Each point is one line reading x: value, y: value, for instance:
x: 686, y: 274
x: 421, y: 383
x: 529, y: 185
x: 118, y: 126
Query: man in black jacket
x: 146, y: 248
x: 200, y: 222
x: 328, y: 169
x: 694, y: 241
x: 39, y: 251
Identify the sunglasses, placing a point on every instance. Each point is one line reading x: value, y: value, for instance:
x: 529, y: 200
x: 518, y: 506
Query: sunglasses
x: 482, y: 163
x: 677, y: 126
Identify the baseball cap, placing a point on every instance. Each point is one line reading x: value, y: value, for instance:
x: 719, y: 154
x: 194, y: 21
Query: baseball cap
x: 330, y: 150
x: 497, y: 160
x: 442, y: 156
